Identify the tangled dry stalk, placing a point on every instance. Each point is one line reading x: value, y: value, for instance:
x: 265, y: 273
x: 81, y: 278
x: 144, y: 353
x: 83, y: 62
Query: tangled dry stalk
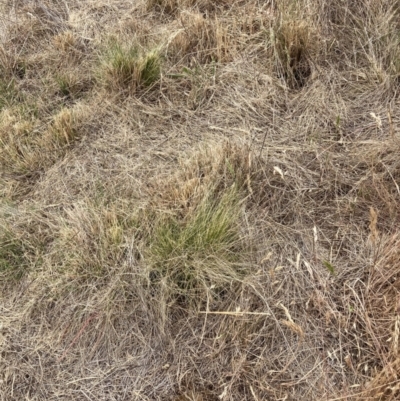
x: 199, y: 200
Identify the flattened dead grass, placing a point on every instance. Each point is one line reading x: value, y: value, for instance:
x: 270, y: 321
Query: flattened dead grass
x: 213, y: 220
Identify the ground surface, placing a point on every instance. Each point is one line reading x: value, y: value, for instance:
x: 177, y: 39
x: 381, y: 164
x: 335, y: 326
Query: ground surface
x: 199, y: 200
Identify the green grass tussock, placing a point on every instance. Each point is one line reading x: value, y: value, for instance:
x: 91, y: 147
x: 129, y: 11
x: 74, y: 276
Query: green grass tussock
x: 193, y: 254
x: 128, y: 68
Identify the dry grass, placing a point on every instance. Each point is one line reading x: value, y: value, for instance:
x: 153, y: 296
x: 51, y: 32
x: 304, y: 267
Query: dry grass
x: 26, y: 148
x: 199, y: 200
x: 173, y: 7
x: 200, y: 39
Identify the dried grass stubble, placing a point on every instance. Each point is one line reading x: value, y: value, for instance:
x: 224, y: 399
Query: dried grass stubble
x: 111, y: 321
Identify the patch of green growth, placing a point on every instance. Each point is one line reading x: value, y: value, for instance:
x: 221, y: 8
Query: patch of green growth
x: 12, y: 256
x: 330, y: 267
x: 150, y: 68
x: 200, y: 251
x: 71, y: 85
x: 64, y: 85
x: 129, y: 67
x: 8, y: 93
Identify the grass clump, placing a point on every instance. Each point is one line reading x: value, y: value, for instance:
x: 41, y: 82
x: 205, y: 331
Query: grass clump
x: 71, y: 85
x: 19, y: 249
x: 65, y: 41
x: 293, y: 43
x: 8, y: 93
x: 128, y: 68
x: 91, y: 237
x: 248, y: 207
x: 26, y: 148
x: 173, y: 7
x: 12, y: 65
x: 168, y: 6
x: 12, y: 259
x: 64, y: 127
x: 201, y: 39
x: 200, y: 251
x: 66, y: 84
x: 17, y: 143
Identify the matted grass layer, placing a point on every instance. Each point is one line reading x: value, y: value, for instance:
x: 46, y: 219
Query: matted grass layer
x: 199, y: 200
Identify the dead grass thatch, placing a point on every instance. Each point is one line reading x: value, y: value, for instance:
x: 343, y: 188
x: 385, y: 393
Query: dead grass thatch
x: 199, y: 200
